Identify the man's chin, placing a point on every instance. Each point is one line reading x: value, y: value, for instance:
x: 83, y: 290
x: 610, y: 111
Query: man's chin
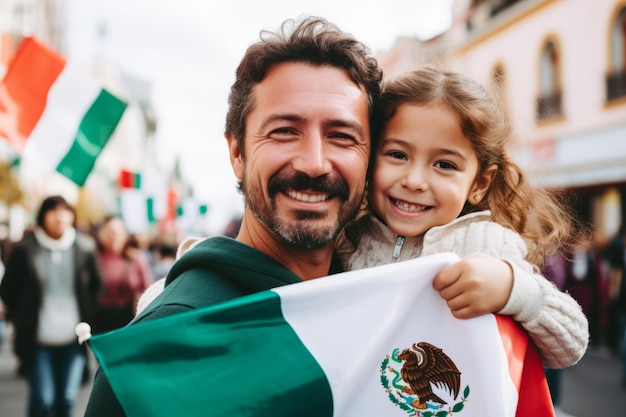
x: 308, y: 234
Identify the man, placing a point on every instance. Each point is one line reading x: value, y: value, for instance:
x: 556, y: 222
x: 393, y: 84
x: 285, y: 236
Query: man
x: 298, y: 133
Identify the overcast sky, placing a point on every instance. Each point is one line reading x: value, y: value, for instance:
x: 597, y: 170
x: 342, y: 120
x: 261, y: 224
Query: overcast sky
x: 189, y: 49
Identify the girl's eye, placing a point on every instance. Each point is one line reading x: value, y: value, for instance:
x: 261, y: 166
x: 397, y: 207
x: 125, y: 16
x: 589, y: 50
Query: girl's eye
x: 396, y: 155
x: 445, y: 165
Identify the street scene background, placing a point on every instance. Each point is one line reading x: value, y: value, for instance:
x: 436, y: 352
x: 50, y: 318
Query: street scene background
x: 165, y: 169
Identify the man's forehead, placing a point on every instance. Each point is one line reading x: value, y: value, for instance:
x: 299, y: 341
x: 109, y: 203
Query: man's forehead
x: 300, y: 88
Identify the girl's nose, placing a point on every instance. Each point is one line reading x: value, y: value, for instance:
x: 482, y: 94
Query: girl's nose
x: 415, y: 179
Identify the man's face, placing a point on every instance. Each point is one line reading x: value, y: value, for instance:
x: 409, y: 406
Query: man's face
x: 306, y: 152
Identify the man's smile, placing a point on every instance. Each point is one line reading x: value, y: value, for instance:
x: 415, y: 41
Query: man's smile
x: 308, y: 198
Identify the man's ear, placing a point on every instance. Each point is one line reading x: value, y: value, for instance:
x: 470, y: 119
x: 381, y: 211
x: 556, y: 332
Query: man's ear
x: 236, y: 159
x: 481, y: 184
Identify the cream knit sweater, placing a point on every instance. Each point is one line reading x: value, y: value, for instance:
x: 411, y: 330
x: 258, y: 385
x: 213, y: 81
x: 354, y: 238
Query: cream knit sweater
x: 553, y: 319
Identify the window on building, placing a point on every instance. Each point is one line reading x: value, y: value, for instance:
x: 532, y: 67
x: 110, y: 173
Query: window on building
x: 549, y: 100
x: 500, y: 5
x: 616, y: 77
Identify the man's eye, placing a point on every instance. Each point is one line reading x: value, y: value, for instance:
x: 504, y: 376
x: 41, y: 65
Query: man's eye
x: 341, y: 136
x: 282, y: 132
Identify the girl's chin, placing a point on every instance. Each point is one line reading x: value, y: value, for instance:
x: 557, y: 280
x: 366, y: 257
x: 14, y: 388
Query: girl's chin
x: 405, y: 230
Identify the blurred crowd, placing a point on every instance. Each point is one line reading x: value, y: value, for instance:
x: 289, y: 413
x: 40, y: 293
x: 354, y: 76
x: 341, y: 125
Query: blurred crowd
x: 593, y: 273
x: 58, y: 275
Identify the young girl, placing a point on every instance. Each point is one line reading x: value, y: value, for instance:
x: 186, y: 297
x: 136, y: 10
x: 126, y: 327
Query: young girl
x: 443, y: 182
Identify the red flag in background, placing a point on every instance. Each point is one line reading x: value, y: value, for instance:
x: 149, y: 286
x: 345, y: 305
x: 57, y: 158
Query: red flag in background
x: 55, y: 112
x: 24, y: 90
x: 129, y: 179
x: 168, y: 223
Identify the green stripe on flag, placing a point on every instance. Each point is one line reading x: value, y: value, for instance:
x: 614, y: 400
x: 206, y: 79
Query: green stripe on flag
x: 94, y: 131
x: 208, y: 352
x: 150, y: 209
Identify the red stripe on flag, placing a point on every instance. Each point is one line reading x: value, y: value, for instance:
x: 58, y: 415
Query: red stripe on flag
x: 24, y: 89
x: 526, y: 370
x: 128, y: 179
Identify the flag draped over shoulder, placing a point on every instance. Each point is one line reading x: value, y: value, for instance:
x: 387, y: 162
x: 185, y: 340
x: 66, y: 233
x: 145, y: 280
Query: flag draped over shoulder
x: 374, y: 342
x: 54, y: 112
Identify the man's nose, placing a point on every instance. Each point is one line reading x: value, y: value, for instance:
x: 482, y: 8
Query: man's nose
x: 313, y: 157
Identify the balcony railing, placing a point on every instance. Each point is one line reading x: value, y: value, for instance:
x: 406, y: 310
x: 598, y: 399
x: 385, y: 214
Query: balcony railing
x: 616, y: 85
x: 549, y: 106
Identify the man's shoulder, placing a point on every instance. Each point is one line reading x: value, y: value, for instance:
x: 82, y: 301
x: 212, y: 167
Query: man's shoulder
x: 216, y: 269
x: 191, y: 290
x: 221, y: 256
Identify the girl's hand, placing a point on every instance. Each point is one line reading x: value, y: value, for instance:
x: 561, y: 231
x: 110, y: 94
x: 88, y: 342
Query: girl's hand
x: 477, y: 284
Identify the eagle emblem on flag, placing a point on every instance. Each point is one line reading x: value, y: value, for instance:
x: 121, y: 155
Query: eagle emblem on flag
x: 410, y: 375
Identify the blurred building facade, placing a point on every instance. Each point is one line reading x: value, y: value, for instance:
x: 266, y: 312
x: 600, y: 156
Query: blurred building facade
x: 561, y: 68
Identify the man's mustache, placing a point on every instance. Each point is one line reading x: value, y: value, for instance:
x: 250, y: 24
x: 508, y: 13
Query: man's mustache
x: 333, y: 185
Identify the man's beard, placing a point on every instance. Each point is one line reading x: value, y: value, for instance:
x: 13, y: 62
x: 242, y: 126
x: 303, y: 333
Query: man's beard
x: 303, y: 232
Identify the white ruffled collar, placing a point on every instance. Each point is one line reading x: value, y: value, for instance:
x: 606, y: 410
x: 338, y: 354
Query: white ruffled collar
x: 63, y: 243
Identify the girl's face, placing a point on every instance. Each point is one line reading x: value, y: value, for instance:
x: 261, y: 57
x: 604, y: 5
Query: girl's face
x: 425, y: 170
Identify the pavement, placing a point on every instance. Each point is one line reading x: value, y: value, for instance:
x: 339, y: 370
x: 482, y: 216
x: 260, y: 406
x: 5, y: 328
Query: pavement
x: 14, y: 390
x: 591, y: 388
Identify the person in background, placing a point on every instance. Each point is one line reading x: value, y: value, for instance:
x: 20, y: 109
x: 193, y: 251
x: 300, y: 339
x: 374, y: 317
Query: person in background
x: 615, y: 259
x: 140, y: 245
x: 163, y: 259
x: 51, y: 284
x: 556, y: 268
x: 126, y: 274
x: 2, y: 308
x: 614, y: 253
x: 585, y: 282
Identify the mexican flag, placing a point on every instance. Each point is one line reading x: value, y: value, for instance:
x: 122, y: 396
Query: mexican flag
x: 374, y: 342
x: 55, y: 113
x: 129, y: 179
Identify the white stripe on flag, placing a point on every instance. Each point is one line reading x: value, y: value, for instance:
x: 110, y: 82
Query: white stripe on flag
x: 134, y: 210
x: 352, y: 323
x: 69, y: 98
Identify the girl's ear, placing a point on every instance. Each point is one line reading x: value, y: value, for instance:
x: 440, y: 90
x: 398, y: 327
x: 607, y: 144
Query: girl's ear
x: 481, y: 184
x: 236, y: 159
